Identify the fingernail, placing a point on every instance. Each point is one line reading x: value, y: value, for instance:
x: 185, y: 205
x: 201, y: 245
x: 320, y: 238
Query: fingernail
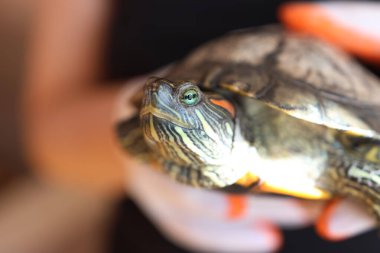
x: 342, y: 219
x: 273, y: 235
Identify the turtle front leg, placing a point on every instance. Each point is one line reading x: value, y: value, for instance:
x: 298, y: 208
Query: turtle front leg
x: 359, y: 179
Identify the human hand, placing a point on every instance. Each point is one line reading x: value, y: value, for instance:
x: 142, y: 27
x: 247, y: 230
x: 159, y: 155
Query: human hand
x: 211, y: 221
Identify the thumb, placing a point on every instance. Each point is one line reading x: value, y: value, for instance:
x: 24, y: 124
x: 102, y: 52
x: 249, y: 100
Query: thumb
x: 343, y: 218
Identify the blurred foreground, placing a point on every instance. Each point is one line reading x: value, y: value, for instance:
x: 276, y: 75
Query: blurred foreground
x: 37, y: 217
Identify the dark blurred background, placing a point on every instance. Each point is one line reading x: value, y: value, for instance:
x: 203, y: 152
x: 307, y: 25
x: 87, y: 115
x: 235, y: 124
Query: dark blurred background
x: 144, y: 35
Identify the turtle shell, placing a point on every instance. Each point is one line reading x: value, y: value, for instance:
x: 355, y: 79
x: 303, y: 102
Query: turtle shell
x: 291, y: 72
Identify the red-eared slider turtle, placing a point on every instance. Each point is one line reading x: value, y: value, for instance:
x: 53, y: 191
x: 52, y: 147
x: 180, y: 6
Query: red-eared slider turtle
x: 267, y: 110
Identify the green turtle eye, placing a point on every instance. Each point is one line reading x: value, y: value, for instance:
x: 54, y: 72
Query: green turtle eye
x: 190, y: 97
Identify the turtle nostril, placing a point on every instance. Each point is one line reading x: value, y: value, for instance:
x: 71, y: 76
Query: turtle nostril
x: 158, y: 93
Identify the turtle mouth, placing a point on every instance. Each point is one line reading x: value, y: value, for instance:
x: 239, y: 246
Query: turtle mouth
x: 146, y: 111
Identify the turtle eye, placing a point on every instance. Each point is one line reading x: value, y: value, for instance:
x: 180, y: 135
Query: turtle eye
x: 190, y: 97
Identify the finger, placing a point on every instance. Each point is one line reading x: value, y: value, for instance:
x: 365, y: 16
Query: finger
x: 222, y: 237
x: 124, y: 107
x: 196, y: 218
x: 333, y: 22
x: 283, y: 211
x: 342, y: 219
x: 157, y: 191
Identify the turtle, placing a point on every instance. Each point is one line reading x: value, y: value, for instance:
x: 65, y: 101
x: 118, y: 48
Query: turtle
x: 263, y: 110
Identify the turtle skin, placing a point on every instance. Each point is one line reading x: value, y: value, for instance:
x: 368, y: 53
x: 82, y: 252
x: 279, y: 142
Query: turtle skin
x: 309, y: 110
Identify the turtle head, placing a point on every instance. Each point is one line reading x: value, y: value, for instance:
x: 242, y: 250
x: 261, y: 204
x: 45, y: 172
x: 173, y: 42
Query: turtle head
x: 187, y: 127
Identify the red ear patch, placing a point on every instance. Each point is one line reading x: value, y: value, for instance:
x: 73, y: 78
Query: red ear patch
x: 224, y: 104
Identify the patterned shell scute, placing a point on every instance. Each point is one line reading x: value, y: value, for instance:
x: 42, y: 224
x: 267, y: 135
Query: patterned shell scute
x: 327, y: 69
x: 234, y: 48
x: 338, y: 92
